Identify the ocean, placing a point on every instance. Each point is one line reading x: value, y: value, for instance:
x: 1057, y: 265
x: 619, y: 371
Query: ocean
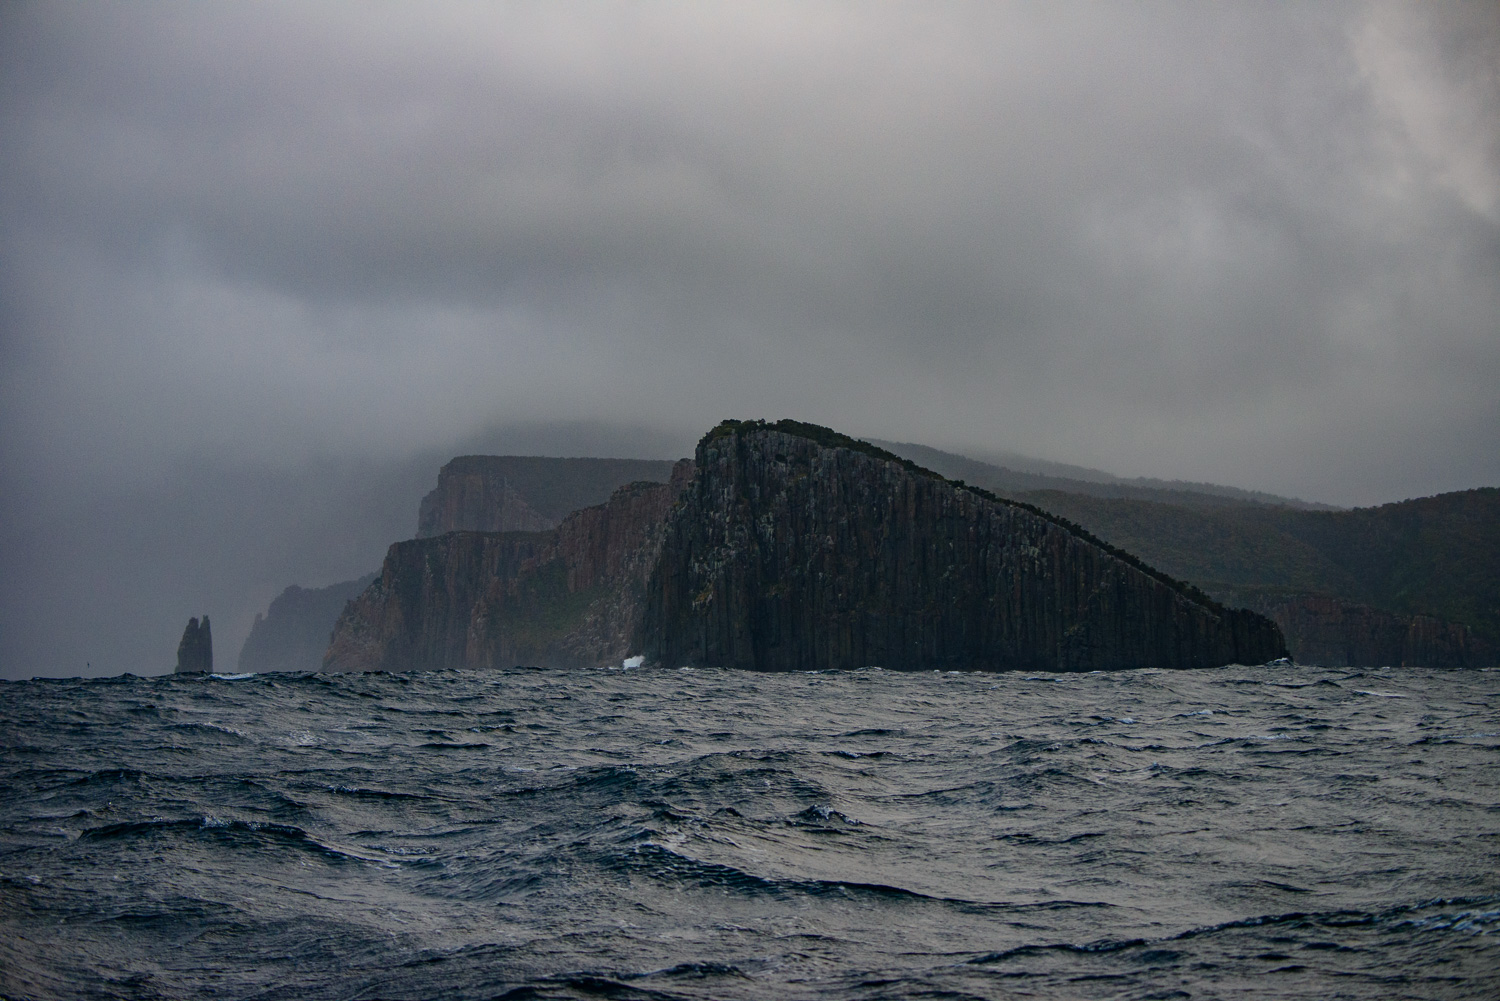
x: 1244, y: 832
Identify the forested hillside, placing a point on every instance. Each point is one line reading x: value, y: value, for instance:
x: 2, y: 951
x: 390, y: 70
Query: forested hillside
x: 1436, y: 556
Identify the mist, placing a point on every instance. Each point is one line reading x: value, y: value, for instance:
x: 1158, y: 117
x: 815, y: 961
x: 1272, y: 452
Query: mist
x: 263, y: 268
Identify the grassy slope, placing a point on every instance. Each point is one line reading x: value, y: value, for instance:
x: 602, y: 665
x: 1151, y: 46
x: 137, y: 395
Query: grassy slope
x: 1437, y: 555
x: 1009, y: 482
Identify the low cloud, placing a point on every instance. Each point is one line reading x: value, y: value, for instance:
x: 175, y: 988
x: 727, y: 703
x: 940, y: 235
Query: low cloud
x: 1235, y: 243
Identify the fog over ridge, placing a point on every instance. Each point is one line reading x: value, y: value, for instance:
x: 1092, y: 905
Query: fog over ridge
x: 240, y: 244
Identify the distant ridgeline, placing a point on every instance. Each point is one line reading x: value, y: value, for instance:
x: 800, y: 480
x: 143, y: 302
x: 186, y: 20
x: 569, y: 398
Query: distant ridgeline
x: 1038, y: 476
x: 789, y: 546
x: 1415, y: 582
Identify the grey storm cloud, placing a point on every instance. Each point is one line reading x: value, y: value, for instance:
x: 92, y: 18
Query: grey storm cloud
x: 1247, y: 243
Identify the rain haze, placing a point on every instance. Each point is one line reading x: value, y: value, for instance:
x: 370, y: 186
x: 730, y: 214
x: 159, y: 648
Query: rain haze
x: 263, y: 268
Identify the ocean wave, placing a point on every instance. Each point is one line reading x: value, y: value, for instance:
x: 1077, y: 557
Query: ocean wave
x: 257, y: 835
x: 742, y: 836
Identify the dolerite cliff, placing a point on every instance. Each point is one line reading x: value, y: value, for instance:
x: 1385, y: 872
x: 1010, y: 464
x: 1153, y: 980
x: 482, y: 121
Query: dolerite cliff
x: 796, y: 548
x: 568, y: 596
x: 524, y: 493
x: 789, y: 547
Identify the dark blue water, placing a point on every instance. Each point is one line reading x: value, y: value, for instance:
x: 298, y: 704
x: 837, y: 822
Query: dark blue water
x: 1234, y: 833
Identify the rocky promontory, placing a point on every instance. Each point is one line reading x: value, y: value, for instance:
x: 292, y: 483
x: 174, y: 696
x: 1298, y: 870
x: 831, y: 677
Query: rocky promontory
x: 796, y: 548
x: 788, y: 546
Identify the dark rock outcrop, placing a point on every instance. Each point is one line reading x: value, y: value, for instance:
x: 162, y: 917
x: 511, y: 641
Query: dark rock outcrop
x: 1334, y: 633
x: 789, y: 547
x: 796, y: 548
x: 522, y: 493
x: 293, y: 633
x: 569, y: 596
x: 195, y: 651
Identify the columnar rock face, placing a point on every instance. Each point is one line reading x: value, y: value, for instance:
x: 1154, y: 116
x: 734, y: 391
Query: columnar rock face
x: 789, y: 547
x: 569, y: 596
x: 521, y: 493
x: 795, y: 548
x: 195, y: 651
x: 1335, y: 633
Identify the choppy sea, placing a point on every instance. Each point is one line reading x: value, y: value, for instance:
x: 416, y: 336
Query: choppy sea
x: 1267, y: 832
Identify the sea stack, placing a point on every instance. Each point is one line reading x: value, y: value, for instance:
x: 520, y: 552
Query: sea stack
x: 195, y: 654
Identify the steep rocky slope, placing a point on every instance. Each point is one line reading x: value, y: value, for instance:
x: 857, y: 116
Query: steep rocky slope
x: 524, y: 493
x: 1335, y: 633
x: 487, y: 493
x: 789, y: 547
x: 568, y: 596
x: 797, y: 548
x: 293, y: 633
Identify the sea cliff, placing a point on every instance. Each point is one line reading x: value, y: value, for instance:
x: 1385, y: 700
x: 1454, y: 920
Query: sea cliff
x: 293, y: 633
x: 790, y: 547
x: 796, y: 548
x: 1334, y: 633
x: 568, y: 596
x: 524, y: 493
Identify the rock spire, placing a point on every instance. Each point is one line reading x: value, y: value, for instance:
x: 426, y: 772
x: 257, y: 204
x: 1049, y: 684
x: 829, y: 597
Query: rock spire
x: 195, y: 654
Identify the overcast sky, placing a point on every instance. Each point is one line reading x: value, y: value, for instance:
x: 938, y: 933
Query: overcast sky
x: 1256, y: 244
